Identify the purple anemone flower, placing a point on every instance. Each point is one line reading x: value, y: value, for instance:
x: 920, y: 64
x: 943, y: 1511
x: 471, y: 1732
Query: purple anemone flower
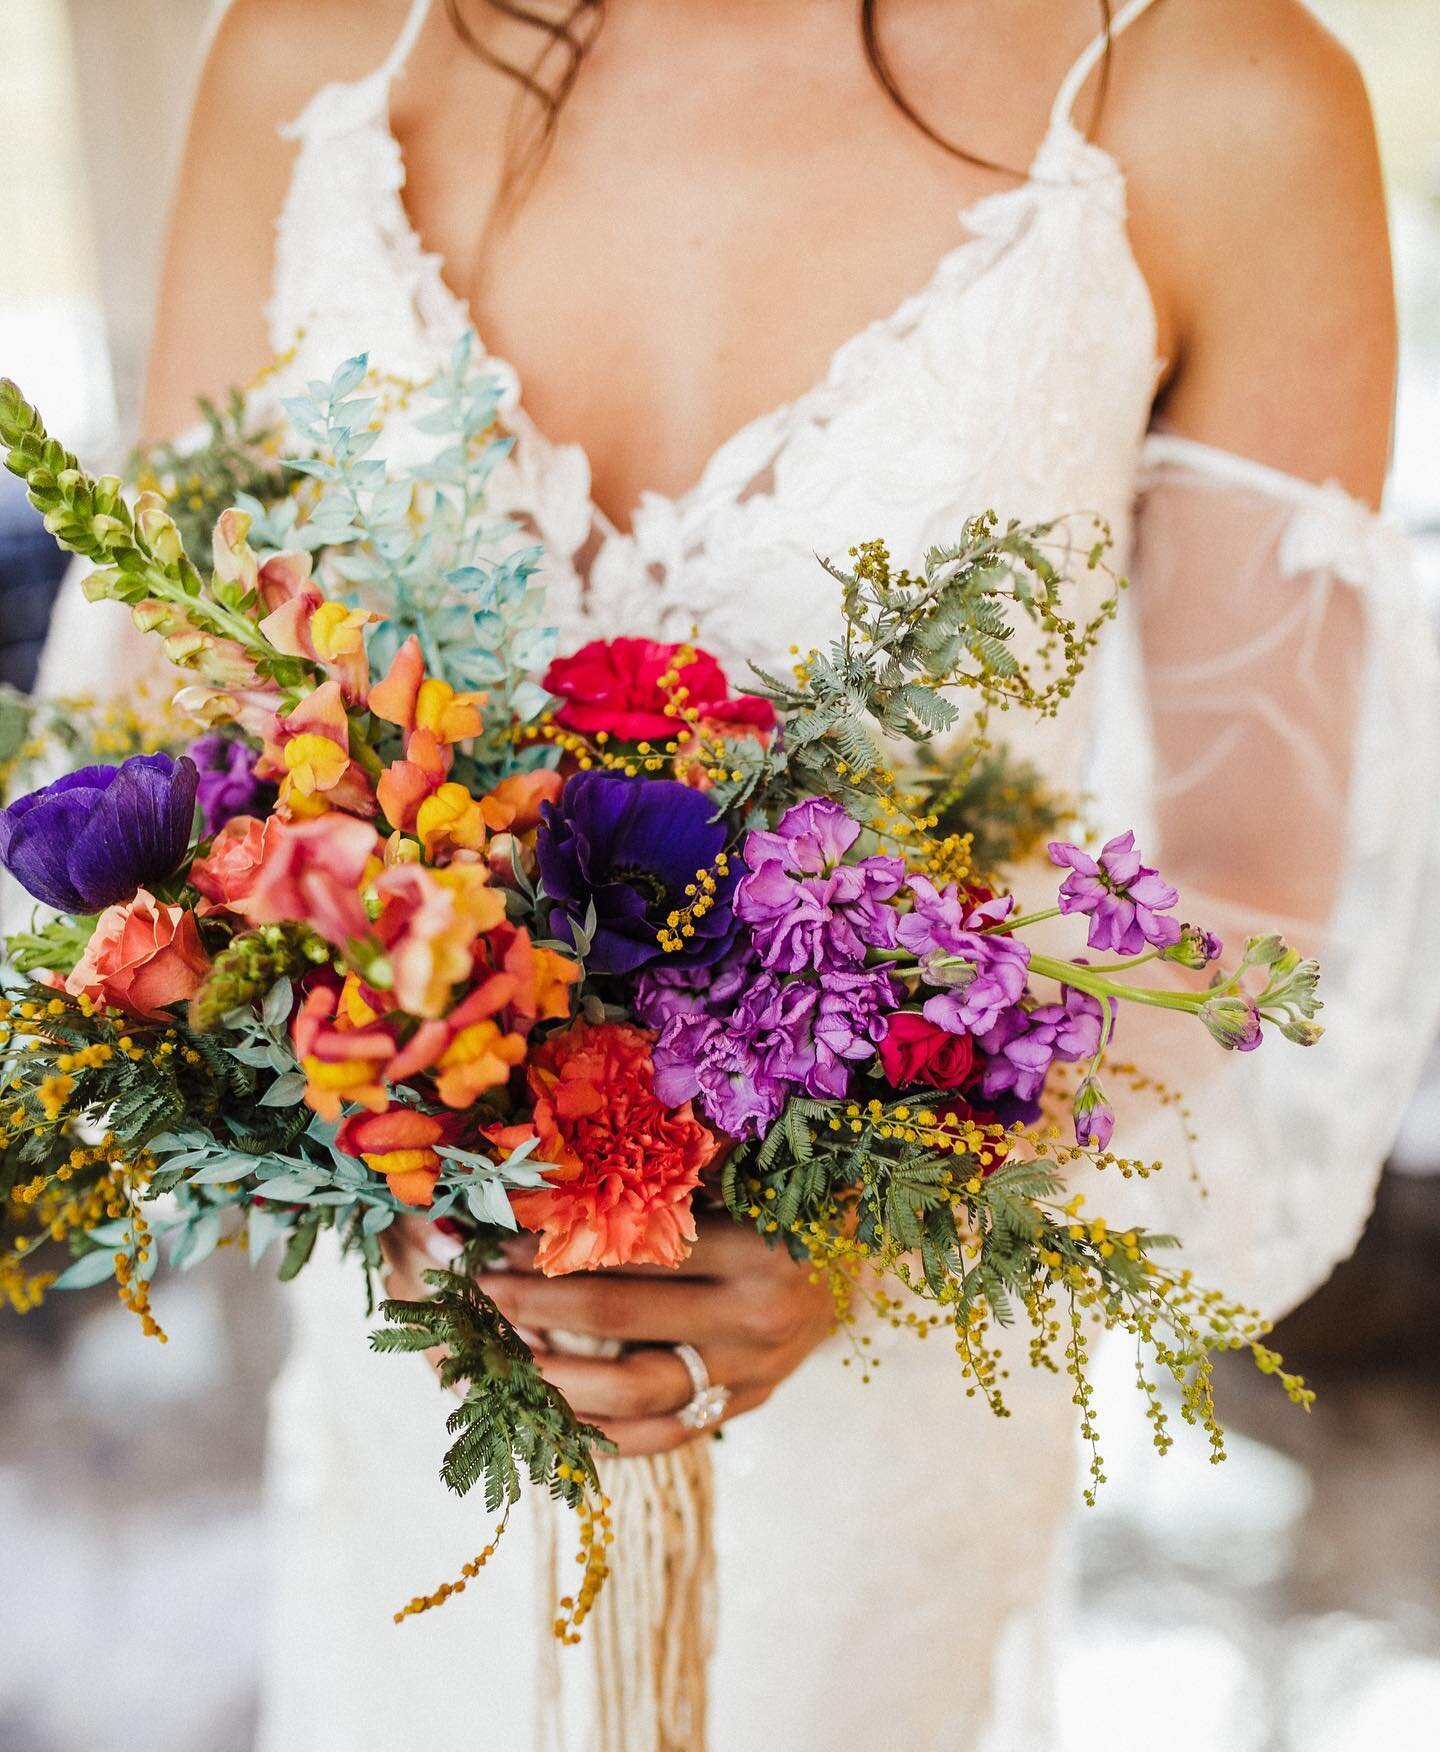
x: 1126, y: 900
x: 630, y: 848
x: 807, y: 909
x: 228, y: 786
x: 94, y: 837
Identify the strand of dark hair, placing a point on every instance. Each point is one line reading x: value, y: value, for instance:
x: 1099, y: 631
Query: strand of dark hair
x: 567, y: 40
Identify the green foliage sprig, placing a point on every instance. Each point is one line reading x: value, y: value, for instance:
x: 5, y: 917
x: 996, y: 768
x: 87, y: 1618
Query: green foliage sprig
x: 511, y: 1421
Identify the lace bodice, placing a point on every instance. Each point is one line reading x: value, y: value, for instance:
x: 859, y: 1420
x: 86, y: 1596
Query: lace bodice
x: 1019, y: 376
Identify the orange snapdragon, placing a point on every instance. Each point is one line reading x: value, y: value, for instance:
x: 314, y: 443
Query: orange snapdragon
x: 400, y: 1143
x: 343, y: 1049
x: 303, y: 622
x: 433, y: 717
x: 308, y: 751
x: 428, y: 923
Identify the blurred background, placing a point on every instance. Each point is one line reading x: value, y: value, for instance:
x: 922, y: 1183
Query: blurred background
x: 1288, y: 1602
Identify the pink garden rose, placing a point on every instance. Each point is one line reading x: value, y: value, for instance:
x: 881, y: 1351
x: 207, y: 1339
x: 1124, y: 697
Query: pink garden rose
x: 142, y: 957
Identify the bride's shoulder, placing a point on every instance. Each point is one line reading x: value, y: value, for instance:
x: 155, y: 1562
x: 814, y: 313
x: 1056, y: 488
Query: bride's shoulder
x: 1258, y: 87
x: 279, y: 52
x: 1258, y: 213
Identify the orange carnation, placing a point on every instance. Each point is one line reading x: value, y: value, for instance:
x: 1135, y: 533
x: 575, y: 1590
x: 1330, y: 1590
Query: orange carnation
x: 622, y: 1166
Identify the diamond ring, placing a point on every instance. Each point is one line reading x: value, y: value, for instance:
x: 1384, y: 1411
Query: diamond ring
x: 707, y: 1400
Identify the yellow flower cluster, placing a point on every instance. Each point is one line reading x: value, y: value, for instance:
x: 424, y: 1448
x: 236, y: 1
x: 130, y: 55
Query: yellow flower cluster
x: 53, y: 1211
x: 596, y: 1537
x: 701, y: 894
x: 468, y: 1572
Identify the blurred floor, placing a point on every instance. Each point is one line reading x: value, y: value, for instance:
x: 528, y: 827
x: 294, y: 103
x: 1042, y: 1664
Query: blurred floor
x: 1288, y: 1601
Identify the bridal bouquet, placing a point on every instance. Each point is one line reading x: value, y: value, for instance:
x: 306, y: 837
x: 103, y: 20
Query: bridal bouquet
x: 432, y: 921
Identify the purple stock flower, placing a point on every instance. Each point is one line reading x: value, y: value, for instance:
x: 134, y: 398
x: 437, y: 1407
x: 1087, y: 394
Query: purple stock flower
x: 1234, y: 1021
x: 852, y: 1017
x: 663, y: 991
x: 631, y: 847
x: 228, y: 786
x: 993, y: 967
x: 94, y: 837
x: 1126, y: 899
x: 1195, y: 948
x: 785, y: 1037
x: 1020, y: 1049
x: 743, y: 1069
x: 805, y: 908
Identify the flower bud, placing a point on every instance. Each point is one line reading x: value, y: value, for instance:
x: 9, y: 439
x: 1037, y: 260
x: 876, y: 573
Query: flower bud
x: 1197, y: 948
x: 1232, y: 1020
x: 101, y: 586
x: 234, y: 561
x: 1094, y: 1117
x: 1267, y: 951
x: 157, y: 528
x: 154, y: 616
x: 947, y: 972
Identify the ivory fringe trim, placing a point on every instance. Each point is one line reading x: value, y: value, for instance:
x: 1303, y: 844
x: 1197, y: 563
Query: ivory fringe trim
x: 646, y: 1648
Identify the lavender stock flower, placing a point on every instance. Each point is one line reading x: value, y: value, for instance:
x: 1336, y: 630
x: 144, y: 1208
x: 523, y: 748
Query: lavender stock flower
x: 1021, y: 1047
x: 984, y: 972
x: 807, y: 909
x: 784, y: 1037
x: 663, y: 991
x: 1126, y: 900
x: 1094, y: 1117
x: 94, y: 837
x: 743, y: 1069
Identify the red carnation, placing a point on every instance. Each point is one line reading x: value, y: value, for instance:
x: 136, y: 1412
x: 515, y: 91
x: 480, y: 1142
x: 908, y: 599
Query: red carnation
x: 615, y: 685
x: 918, y: 1051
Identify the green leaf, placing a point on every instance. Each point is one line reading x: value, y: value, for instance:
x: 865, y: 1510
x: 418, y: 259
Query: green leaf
x: 87, y: 1271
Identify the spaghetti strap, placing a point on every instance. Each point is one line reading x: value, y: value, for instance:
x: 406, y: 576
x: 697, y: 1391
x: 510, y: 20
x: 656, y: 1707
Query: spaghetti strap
x: 1081, y: 71
x: 394, y: 63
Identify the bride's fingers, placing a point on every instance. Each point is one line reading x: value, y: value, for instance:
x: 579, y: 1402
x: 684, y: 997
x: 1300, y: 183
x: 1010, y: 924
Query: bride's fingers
x: 647, y: 1383
x: 658, y: 1435
x: 644, y: 1383
x: 637, y: 1310
x: 724, y: 1248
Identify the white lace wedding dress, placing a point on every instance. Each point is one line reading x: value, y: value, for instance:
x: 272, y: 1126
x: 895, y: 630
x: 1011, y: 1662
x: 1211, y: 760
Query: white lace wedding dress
x: 885, y: 1552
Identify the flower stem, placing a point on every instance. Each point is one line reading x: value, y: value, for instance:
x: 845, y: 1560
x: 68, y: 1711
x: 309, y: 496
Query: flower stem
x: 1099, y: 985
x: 1007, y: 925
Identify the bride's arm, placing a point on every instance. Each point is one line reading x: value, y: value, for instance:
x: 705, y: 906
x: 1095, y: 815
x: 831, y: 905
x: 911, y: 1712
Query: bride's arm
x: 266, y: 60
x: 1291, y: 683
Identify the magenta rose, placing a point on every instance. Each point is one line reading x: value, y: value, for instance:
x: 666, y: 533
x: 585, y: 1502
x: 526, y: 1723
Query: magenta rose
x: 917, y: 1051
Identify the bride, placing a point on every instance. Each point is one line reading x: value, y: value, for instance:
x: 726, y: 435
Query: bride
x: 778, y: 275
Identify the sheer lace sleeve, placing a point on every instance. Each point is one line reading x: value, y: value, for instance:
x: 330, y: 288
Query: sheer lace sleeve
x: 1294, y: 749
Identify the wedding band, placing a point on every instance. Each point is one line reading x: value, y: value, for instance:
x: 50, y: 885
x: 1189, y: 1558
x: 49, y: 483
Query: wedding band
x: 708, y: 1400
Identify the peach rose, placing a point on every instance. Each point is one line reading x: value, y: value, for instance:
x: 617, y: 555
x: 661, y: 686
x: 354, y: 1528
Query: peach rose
x: 142, y: 958
x: 226, y: 875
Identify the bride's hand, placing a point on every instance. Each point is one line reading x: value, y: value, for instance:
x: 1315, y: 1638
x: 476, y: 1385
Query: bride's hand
x: 750, y: 1311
